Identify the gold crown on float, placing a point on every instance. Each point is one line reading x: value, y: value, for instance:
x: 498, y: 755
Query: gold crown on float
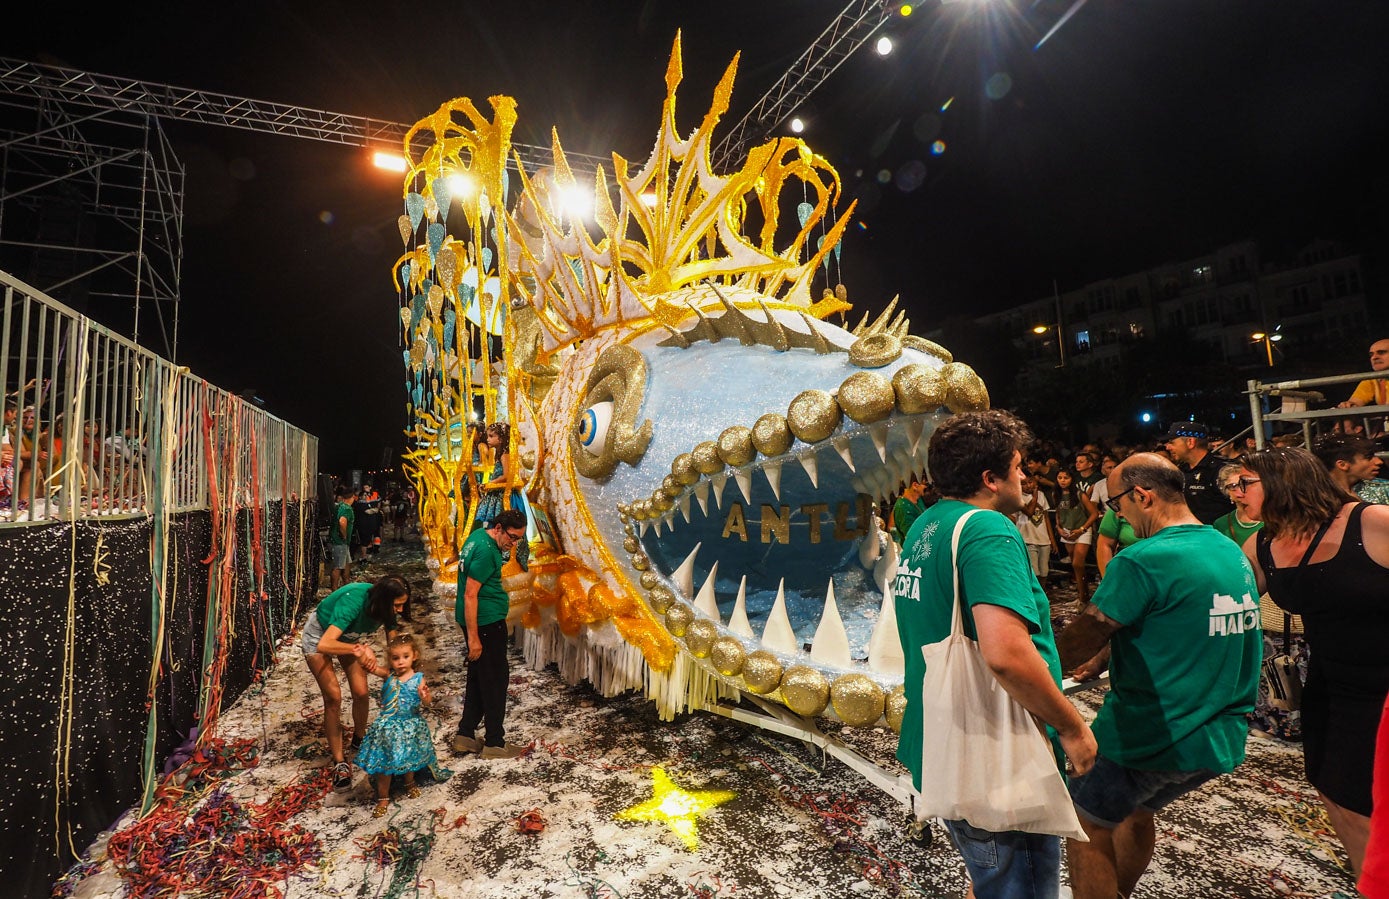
x: 676, y: 224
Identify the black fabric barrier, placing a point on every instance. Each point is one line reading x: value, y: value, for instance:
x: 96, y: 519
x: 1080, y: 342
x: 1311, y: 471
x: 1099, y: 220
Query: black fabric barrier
x: 97, y: 575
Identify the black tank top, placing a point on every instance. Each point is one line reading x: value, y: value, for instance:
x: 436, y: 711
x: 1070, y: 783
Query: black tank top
x: 1342, y: 604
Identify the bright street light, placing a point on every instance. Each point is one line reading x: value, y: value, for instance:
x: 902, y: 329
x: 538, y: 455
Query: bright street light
x: 797, y: 125
x: 883, y: 46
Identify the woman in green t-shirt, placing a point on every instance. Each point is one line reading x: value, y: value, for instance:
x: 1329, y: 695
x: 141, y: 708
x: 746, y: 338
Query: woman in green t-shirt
x: 342, y: 620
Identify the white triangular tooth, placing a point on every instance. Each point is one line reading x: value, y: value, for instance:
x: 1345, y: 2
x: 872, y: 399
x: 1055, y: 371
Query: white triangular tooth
x: 744, y: 479
x: 901, y: 454
x: 719, y: 480
x: 812, y: 468
x: 738, y: 621
x: 830, y: 645
x: 885, y: 655
x: 859, y: 485
x: 777, y: 633
x: 885, y: 569
x: 670, y: 521
x: 706, y: 601
x: 870, y: 547
x: 701, y: 493
x: 773, y: 472
x: 657, y: 525
x: 879, y: 434
x: 641, y: 528
x: 685, y: 507
x: 841, y: 446
x: 684, y: 575
x: 915, y: 428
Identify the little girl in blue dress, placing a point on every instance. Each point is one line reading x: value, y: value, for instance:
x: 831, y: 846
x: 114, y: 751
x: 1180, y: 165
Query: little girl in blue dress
x: 398, y: 742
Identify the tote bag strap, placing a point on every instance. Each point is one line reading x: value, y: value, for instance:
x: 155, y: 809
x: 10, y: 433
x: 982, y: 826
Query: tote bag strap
x: 957, y: 621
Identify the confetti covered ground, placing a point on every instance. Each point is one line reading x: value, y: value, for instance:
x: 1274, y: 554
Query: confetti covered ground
x: 797, y: 825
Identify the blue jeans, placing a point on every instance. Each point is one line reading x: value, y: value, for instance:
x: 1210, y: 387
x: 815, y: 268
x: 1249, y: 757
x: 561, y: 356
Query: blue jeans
x: 1008, y: 865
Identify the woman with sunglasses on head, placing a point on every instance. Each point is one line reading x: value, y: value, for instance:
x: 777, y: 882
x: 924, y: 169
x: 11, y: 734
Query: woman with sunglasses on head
x: 1282, y: 631
x: 1324, y: 555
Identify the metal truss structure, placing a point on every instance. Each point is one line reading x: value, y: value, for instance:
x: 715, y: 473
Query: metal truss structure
x: 94, y: 199
x: 89, y: 181
x: 854, y: 25
x: 96, y: 143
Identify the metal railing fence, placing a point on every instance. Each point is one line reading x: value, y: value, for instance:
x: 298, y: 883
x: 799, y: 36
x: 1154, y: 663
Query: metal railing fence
x: 91, y: 418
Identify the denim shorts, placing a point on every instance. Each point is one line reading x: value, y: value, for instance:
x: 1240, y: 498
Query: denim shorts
x: 1108, y: 793
x: 1008, y: 865
x: 339, y: 555
x: 313, y: 632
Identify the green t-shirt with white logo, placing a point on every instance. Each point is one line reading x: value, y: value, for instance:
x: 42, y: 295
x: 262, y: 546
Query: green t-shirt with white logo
x: 482, y: 561
x: 994, y: 570
x: 1185, y: 665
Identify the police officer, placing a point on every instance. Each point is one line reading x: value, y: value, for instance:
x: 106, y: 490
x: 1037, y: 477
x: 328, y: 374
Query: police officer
x: 1188, y: 442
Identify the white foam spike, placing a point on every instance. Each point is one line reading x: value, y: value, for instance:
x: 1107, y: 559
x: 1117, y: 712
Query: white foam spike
x: 859, y: 485
x: 777, y: 634
x: 706, y: 601
x: 870, y: 547
x: 685, y: 507
x: 841, y: 446
x: 901, y: 454
x: 885, y: 646
x: 744, y: 479
x: 915, y: 428
x: 684, y: 575
x: 641, y: 528
x: 719, y: 480
x: 831, y: 643
x: 773, y: 472
x: 701, y: 493
x: 657, y: 525
x: 738, y: 621
x: 879, y: 434
x: 670, y: 521
x: 812, y: 468
x: 885, y: 570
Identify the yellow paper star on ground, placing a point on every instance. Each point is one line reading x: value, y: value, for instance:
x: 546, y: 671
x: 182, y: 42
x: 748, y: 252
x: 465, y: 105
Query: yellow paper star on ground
x: 676, y: 808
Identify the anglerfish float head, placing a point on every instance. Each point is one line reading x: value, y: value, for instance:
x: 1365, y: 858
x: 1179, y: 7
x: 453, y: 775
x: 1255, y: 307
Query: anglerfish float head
x: 733, y: 465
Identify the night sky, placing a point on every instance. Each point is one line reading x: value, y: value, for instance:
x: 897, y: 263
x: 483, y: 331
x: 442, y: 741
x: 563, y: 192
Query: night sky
x: 1141, y: 132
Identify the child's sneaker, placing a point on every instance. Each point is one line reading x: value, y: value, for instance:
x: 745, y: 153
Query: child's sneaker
x: 342, y: 776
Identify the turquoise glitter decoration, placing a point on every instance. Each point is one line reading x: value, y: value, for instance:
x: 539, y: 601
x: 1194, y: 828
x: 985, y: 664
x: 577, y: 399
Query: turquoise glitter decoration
x: 440, y: 187
x: 405, y: 274
x: 416, y: 312
x: 437, y: 233
x: 487, y: 259
x: 803, y: 212
x: 450, y: 320
x: 414, y: 207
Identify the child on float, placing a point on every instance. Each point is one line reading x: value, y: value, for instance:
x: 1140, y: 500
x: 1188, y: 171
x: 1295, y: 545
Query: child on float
x: 398, y: 742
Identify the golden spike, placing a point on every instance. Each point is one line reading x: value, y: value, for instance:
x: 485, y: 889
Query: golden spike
x: 822, y: 346
x: 736, y: 323
x: 564, y: 175
x: 858, y: 332
x: 603, y: 212
x: 779, y: 338
x: 881, y: 321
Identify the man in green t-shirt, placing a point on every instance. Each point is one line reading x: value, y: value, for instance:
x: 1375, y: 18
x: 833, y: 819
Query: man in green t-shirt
x: 976, y: 463
x: 1179, y: 611
x: 481, y: 609
x: 340, y: 537
x: 907, y: 509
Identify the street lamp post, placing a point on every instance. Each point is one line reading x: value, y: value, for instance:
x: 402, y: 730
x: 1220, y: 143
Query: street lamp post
x: 1268, y: 339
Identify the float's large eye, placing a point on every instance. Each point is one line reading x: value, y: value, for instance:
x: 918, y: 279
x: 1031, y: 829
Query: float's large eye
x: 593, y: 427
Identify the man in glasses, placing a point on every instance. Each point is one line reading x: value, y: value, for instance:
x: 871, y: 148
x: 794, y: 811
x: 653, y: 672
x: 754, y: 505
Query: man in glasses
x: 1180, y: 611
x: 481, y: 610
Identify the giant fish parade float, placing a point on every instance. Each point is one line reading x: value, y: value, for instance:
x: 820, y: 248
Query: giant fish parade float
x: 699, y: 449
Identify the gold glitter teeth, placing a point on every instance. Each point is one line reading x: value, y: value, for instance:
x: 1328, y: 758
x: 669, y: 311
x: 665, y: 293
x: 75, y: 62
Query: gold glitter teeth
x: 853, y: 446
